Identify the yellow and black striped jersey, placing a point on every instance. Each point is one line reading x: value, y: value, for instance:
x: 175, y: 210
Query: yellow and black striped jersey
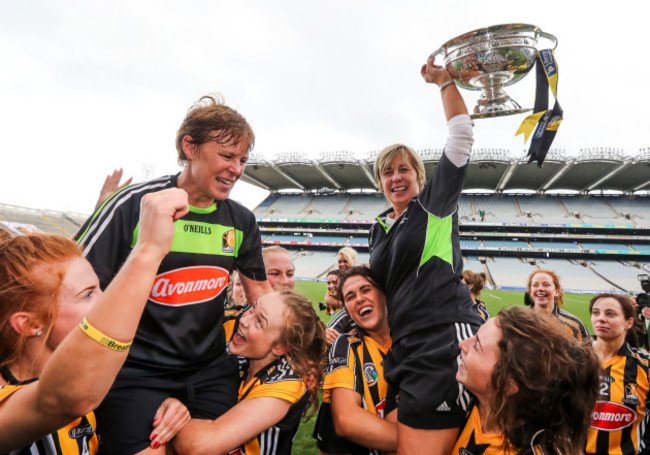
x: 482, y: 310
x: 620, y: 416
x: 574, y: 325
x: 472, y: 440
x: 341, y: 321
x: 357, y: 363
x: 76, y: 438
x: 279, y: 381
x: 230, y: 320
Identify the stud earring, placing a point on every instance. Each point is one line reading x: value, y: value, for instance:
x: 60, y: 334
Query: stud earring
x: 39, y: 333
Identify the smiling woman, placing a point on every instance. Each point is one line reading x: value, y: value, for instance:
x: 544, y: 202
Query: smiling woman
x: 415, y: 254
x: 546, y: 296
x: 532, y: 397
x: 180, y: 343
x: 283, y: 340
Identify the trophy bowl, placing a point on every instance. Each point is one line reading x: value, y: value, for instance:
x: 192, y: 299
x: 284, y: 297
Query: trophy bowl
x: 489, y: 59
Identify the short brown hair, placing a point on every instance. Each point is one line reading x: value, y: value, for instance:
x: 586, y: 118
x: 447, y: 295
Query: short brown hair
x: 209, y: 119
x: 388, y: 155
x: 627, y: 307
x: 477, y: 280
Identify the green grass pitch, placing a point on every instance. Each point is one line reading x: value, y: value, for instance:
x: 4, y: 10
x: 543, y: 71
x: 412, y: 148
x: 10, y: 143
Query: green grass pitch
x: 576, y: 304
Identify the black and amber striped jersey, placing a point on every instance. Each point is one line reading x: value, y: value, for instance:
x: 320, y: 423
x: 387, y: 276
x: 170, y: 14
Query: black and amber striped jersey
x: 230, y: 320
x: 341, y: 321
x: 357, y: 363
x: 481, y: 309
x: 575, y: 325
x: 620, y: 416
x: 276, y: 380
x: 472, y: 440
x: 76, y: 438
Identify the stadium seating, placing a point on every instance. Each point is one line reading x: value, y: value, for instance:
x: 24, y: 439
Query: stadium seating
x: 509, y: 273
x: 575, y: 277
x: 623, y: 276
x: 498, y: 209
x: 540, y: 244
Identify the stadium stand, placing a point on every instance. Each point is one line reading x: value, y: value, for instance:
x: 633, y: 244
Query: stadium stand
x: 577, y: 278
x: 366, y: 206
x: 547, y: 210
x: 544, y: 245
x: 509, y: 273
x: 633, y: 209
x: 512, y: 216
x: 498, y: 209
x: 591, y: 210
x: 617, y: 273
x: 327, y: 207
x: 605, y: 246
x: 17, y: 219
x: 570, y: 212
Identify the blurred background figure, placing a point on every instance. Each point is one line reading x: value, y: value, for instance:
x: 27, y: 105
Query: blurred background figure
x: 476, y: 283
x: 546, y: 296
x: 347, y: 257
x: 280, y: 270
x: 236, y: 296
x: 111, y: 185
x: 341, y: 321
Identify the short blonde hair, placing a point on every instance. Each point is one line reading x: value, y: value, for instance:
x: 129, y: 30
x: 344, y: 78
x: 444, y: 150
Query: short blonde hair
x: 275, y: 249
x: 388, y: 155
x: 350, y: 254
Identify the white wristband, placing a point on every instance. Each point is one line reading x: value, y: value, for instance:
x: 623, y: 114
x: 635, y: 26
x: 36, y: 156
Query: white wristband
x: 447, y: 84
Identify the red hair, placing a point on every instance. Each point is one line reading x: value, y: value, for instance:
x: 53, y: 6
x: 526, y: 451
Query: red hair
x: 559, y: 298
x: 31, y: 274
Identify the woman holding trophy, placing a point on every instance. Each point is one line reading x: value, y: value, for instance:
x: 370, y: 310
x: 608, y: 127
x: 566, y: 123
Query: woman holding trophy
x: 415, y: 252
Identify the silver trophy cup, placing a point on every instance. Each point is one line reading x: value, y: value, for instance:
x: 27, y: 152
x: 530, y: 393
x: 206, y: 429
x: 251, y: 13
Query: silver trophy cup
x: 489, y: 59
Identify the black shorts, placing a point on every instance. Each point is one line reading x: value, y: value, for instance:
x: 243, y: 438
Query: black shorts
x: 326, y: 438
x: 125, y: 417
x: 421, y: 372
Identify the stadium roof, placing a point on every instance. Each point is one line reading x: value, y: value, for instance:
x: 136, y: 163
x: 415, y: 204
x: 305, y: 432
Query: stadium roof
x: 599, y: 169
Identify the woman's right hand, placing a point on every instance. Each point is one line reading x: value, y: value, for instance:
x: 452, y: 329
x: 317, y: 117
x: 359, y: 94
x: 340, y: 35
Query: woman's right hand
x: 171, y: 417
x: 435, y: 74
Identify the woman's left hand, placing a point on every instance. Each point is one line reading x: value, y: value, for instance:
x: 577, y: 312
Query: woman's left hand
x: 171, y: 417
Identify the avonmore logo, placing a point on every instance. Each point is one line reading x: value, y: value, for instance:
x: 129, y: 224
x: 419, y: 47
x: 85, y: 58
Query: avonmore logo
x: 189, y: 285
x: 610, y: 416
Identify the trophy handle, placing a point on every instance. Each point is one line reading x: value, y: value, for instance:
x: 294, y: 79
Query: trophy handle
x: 549, y: 37
x: 435, y: 53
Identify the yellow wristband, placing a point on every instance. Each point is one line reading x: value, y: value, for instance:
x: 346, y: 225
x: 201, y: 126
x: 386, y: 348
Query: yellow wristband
x: 102, y: 339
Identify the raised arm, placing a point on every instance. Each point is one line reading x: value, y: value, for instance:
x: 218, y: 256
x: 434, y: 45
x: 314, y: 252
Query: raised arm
x: 81, y: 370
x: 254, y: 289
x: 452, y: 100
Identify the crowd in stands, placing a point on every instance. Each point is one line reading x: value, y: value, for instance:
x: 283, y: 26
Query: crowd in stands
x: 168, y: 328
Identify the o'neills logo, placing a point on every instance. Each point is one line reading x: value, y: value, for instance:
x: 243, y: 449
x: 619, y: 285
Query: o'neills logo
x: 189, y: 285
x: 610, y: 416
